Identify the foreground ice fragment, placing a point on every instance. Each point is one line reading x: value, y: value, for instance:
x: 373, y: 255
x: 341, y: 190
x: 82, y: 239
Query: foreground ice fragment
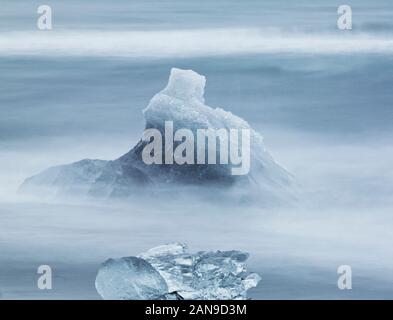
x: 129, y: 278
x: 204, y: 275
x: 168, y: 272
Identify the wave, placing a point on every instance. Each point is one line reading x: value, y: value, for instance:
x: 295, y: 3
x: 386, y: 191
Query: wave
x: 188, y: 43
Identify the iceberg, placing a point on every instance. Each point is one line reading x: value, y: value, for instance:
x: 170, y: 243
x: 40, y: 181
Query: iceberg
x: 182, y: 103
x: 169, y: 272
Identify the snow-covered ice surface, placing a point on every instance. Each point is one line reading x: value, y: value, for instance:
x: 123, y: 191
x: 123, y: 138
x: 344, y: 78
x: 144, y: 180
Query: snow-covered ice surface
x: 169, y: 272
x: 182, y: 102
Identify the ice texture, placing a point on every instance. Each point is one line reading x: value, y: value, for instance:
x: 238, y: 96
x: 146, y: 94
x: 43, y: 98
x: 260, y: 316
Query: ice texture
x: 129, y: 278
x: 169, y: 272
x: 182, y: 102
x: 205, y: 275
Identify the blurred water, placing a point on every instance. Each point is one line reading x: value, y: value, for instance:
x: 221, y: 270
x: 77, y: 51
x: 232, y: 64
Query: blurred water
x: 304, y: 15
x: 326, y: 116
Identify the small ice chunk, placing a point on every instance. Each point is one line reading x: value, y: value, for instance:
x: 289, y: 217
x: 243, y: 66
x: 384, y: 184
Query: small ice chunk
x: 173, y: 248
x: 251, y: 280
x: 129, y: 278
